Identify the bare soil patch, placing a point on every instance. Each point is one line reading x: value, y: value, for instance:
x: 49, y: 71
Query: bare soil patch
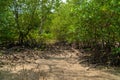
x: 51, y: 65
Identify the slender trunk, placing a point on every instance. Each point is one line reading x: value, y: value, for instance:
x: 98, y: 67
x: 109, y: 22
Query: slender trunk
x: 16, y: 13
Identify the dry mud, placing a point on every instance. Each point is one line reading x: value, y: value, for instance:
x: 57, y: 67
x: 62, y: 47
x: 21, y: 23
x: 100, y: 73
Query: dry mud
x: 62, y: 66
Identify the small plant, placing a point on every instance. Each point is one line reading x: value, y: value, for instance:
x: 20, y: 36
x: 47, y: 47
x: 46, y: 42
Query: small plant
x: 116, y: 51
x: 1, y: 53
x: 115, y: 56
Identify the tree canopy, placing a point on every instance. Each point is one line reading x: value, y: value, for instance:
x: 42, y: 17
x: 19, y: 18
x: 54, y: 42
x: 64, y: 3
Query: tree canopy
x: 92, y: 22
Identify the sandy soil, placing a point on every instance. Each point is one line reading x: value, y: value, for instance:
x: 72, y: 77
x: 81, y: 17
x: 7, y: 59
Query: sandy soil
x: 51, y: 66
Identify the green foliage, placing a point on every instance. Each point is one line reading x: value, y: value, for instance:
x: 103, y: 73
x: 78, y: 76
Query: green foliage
x: 116, y: 51
x: 89, y: 21
x: 19, y: 18
x: 92, y: 22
